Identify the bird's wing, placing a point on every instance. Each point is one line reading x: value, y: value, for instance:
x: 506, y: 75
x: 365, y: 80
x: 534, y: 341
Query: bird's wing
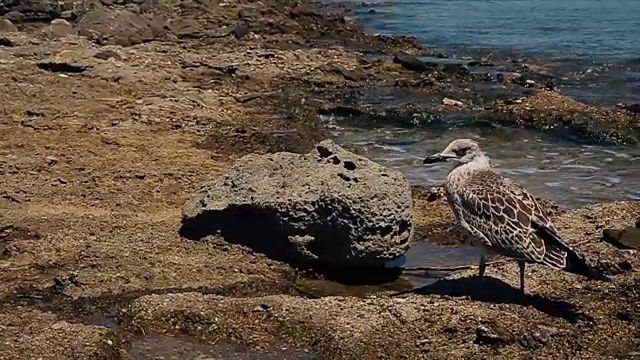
x: 510, y: 219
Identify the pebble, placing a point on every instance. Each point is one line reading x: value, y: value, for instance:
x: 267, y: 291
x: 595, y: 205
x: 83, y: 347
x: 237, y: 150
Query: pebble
x: 452, y: 102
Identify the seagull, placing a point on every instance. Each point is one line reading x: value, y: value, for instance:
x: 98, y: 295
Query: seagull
x: 502, y: 217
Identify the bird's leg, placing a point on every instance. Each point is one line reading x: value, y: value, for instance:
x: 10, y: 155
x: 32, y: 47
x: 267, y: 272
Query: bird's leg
x: 521, y: 265
x: 483, y: 265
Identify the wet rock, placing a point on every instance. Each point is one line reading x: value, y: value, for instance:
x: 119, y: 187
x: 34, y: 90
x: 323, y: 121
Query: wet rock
x: 452, y: 102
x: 7, y: 26
x: 412, y: 63
x: 628, y: 238
x: 456, y: 69
x: 328, y: 207
x: 633, y: 108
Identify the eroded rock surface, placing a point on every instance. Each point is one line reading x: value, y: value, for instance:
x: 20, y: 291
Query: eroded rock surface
x: 328, y: 206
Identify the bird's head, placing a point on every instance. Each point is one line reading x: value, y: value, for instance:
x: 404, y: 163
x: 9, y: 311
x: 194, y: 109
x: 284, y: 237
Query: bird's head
x: 460, y: 151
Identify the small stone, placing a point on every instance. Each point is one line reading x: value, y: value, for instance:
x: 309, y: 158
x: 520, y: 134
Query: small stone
x: 51, y: 160
x: 6, y: 26
x: 60, y: 325
x: 628, y: 238
x: 490, y: 333
x: 106, y: 55
x: 452, y: 102
x: 59, y: 28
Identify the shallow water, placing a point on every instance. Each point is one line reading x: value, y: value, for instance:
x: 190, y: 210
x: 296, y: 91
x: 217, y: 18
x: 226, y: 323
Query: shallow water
x: 154, y: 346
x: 596, y: 29
x: 570, y: 173
x: 593, y: 39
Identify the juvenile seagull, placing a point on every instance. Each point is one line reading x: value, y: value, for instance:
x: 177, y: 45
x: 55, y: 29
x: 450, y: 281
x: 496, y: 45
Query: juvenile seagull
x: 501, y: 216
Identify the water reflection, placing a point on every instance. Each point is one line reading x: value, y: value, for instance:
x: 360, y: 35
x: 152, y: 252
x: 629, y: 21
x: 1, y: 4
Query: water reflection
x: 155, y: 346
x: 569, y: 173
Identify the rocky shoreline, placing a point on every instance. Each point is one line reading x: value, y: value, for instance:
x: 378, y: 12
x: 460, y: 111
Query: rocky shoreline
x: 115, y: 111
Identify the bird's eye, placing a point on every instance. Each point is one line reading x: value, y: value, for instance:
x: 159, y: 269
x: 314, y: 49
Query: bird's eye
x: 461, y: 152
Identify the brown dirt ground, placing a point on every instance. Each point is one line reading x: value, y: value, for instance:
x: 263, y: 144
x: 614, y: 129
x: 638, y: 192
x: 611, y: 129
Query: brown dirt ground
x: 461, y: 317
x: 104, y: 133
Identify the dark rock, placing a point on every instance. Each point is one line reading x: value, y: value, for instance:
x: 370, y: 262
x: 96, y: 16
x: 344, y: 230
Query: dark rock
x: 523, y: 81
x: 5, y: 42
x: 248, y: 97
x: 303, y: 10
x: 493, y: 334
x: 628, y: 238
x: 347, y: 74
x: 61, y: 67
x: 550, y: 85
x: 14, y: 16
x: 106, y: 55
x: 328, y: 207
x: 66, y: 61
x: 341, y: 111
x: 634, y: 108
x: 241, y: 30
x: 246, y: 15
x: 455, y: 69
x: 31, y: 10
x: 412, y: 63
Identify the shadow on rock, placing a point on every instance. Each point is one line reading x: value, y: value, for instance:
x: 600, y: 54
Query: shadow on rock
x: 232, y: 225
x: 496, y: 291
x: 332, y: 211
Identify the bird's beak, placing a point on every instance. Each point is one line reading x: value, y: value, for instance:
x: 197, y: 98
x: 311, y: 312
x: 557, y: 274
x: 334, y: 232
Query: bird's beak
x: 437, y: 157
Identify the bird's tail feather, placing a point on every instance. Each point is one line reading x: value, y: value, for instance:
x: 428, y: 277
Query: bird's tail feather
x: 559, y: 255
x: 578, y: 265
x: 570, y: 261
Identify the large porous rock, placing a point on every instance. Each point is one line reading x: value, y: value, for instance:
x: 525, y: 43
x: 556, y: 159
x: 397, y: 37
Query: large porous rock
x: 328, y: 207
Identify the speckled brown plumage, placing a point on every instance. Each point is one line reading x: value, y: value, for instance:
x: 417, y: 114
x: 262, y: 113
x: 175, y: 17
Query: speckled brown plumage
x: 501, y: 216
